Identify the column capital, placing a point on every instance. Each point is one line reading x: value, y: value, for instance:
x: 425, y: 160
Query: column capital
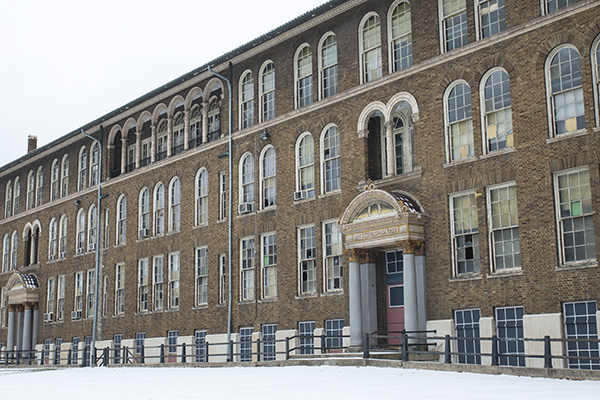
x: 389, y: 125
x: 362, y: 256
x: 28, y: 306
x: 138, y: 133
x: 363, y: 134
x: 416, y: 247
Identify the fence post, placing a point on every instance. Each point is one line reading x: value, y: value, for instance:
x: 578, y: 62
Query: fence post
x: 206, y: 352
x: 323, y: 348
x: 287, y: 348
x: 547, y: 352
x: 183, y: 353
x: 142, y: 355
x: 366, y: 346
x: 95, y: 356
x: 18, y: 358
x: 494, y: 350
x: 258, y: 349
x: 162, y: 353
x: 404, y: 346
x: 230, y: 351
x: 447, y: 355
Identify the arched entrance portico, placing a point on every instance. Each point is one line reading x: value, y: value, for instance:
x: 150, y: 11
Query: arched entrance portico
x: 393, y: 222
x: 23, y: 308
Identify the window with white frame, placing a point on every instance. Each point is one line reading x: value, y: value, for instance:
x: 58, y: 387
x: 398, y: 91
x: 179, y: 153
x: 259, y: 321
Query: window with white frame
x: 80, y: 239
x: 565, y: 91
x: 402, y: 140
x: 75, y: 350
x: 201, y: 276
x: 247, y: 269
x: 106, y: 228
x: 269, y: 265
x: 64, y: 177
x: 267, y: 91
x: 574, y: 213
x: 146, y: 152
x: 334, y: 329
x: 370, y: 46
x: 104, y: 296
x: 172, y: 337
x: 14, y: 250
x: 6, y: 254
x: 30, y: 190
x: 175, y: 205
x: 496, y: 110
x: 143, y: 283
x: 332, y: 256
x: 82, y: 179
x: 94, y: 176
x: 246, y: 344
x: 268, y: 182
x: 246, y: 171
x: 60, y: 302
x: 78, y: 303
x: 174, y: 280
x: 62, y: 237
x: 303, y: 76
x: 92, y: 227
x: 120, y: 289
x: 140, y: 342
x: 269, y: 344
x: 595, y: 75
x: 121, y: 220
x: 222, y: 279
x: 158, y: 290
x: 201, y: 349
x: 400, y: 36
x: 492, y: 17
x: 453, y: 24
x: 509, y: 328
x: 55, y: 181
x: 504, y: 227
x: 159, y: 209
x: 161, y: 140
x: 328, y: 65
x: 117, y: 344
x: 144, y: 213
x: 214, y: 119
x: 306, y: 330
x: 551, y: 6
x: 465, y: 233
x: 130, y: 166
x: 306, y: 260
x: 459, y: 121
x: 178, y: 132
x: 195, y: 127
x: 3, y: 308
x: 247, y: 100
x: 222, y: 196
x: 202, y: 197
x: 8, y: 200
x: 90, y: 293
x: 53, y: 234
x: 581, y: 329
x: 17, y: 196
x: 39, y: 187
x: 305, y: 167
x: 331, y: 168
x: 467, y: 330
x: 50, y: 299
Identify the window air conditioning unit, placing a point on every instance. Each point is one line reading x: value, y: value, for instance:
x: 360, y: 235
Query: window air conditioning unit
x: 144, y: 232
x: 246, y: 208
x: 63, y: 255
x: 48, y: 317
x: 303, y: 194
x: 51, y: 258
x: 91, y: 246
x: 75, y: 314
x: 80, y: 250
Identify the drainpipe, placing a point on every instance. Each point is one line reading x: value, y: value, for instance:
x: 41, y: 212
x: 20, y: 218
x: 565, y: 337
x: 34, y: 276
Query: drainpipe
x: 229, y: 152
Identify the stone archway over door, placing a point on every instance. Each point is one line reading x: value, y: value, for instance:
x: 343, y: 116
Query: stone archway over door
x: 375, y: 221
x: 23, y: 311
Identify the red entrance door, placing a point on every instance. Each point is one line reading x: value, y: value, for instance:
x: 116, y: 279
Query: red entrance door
x: 394, y: 280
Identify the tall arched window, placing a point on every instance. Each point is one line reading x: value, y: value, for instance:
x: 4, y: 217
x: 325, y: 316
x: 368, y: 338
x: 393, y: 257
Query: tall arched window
x: 596, y: 76
x: 268, y: 181
x: 53, y: 244
x: 161, y: 140
x: 330, y: 158
x: 496, y: 107
x: 195, y: 127
x: 267, y: 91
x: 39, y: 186
x: 459, y: 121
x: 303, y: 76
x: 144, y: 213
x: 202, y: 197
x: 328, y: 65
x: 82, y: 179
x: 94, y: 164
x: 214, y: 119
x: 6, y: 254
x: 174, y: 205
x: 8, y: 200
x: 62, y: 237
x: 121, y: 220
x: 370, y: 47
x: 14, y: 250
x: 246, y: 171
x: 30, y: 190
x: 400, y: 36
x: 402, y: 133
x: 55, y: 181
x: 64, y: 177
x: 305, y: 167
x: 247, y: 100
x: 178, y: 137
x: 80, y: 239
x: 92, y: 227
x: 17, y: 196
x: 565, y: 91
x: 159, y: 209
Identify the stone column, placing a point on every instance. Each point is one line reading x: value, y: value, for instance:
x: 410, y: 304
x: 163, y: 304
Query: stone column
x: 27, y: 330
x: 204, y: 122
x: 368, y: 292
x: 138, y: 148
x: 389, y: 140
x: 421, y: 287
x: 411, y: 290
x: 10, y: 340
x: 123, y: 155
x: 169, y: 136
x: 186, y: 129
x: 110, y: 159
x: 34, y: 331
x: 356, y: 332
x: 20, y: 329
x: 153, y: 143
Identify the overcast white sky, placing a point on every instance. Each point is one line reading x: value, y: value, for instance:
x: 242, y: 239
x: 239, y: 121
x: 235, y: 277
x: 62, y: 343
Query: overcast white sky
x: 64, y: 63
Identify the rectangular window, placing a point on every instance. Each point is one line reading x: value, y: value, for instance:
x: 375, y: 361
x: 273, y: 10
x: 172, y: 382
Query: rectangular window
x: 467, y: 332
x: 247, y: 268
x: 75, y: 351
x: 269, y: 265
x: 306, y: 257
x: 173, y: 280
x: 200, y: 346
x: 60, y: 303
x: 158, y: 289
x: 581, y: 323
x: 222, y: 196
x: 332, y: 253
x: 492, y: 18
x: 46, y: 355
x: 553, y: 5
x: 306, y: 330
x: 172, y: 338
x: 465, y: 237
x: 105, y: 296
x: 143, y: 283
x: 78, y: 306
x: 90, y: 293
x: 3, y: 309
x: 454, y: 24
x: 509, y: 326
x: 333, y: 332
x: 120, y: 289
x: 268, y: 342
x: 50, y: 299
x: 145, y: 153
x: 504, y: 228
x: 201, y: 276
x: 57, y: 348
x: 118, y: 339
x: 246, y: 344
x: 574, y: 214
x: 130, y: 158
x: 222, y: 279
x: 140, y: 342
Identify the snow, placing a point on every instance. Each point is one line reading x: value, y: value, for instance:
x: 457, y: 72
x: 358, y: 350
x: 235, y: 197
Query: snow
x: 267, y: 383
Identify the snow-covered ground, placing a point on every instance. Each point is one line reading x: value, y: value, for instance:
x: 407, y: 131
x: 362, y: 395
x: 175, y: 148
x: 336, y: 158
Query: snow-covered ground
x: 267, y: 383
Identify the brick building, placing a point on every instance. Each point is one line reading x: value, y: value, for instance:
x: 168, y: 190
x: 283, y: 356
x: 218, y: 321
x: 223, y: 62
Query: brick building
x: 421, y: 165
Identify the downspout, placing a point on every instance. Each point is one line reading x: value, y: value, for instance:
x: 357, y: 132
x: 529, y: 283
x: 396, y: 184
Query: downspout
x: 229, y: 349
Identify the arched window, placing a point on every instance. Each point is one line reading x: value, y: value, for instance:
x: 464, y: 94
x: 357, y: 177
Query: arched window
x: 496, y: 107
x: 453, y: 24
x: 403, y: 138
x: 459, y: 121
x: 92, y: 227
x: 565, y: 91
x: 55, y: 181
x: 94, y: 164
x: 8, y: 200
x: 305, y: 167
x: 268, y: 181
x: 195, y: 127
x: 144, y: 213
x: 214, y: 119
x: 267, y: 91
x: 30, y: 190
x: 303, y: 76
x: 53, y: 233
x: 6, y: 254
x: 62, y: 237
x: 80, y: 239
x: 161, y: 140
x: 400, y: 36
x: 121, y: 220
x: 330, y: 158
x: 64, y: 177
x: 39, y: 186
x: 14, y: 250
x: 178, y: 132
x: 328, y: 65
x: 159, y: 209
x: 247, y: 100
x: 202, y: 197
x: 370, y: 46
x: 174, y: 205
x: 82, y: 179
x: 246, y: 173
x: 17, y: 196
x: 596, y: 76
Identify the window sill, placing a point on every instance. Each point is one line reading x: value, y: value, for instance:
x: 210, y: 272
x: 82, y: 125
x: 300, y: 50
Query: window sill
x: 268, y: 300
x: 461, y: 161
x: 466, y: 278
x: 596, y: 129
x: 171, y: 233
x: 506, y: 150
x: 329, y: 194
x: 141, y: 313
x: 304, y: 200
x: 578, y: 265
x: 333, y: 293
x: 114, y: 316
x: 504, y: 274
x: 239, y: 216
x: 200, y: 307
x: 245, y: 302
x: 566, y: 136
x: 264, y: 210
x: 202, y: 225
x: 307, y: 296
x: 120, y: 245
